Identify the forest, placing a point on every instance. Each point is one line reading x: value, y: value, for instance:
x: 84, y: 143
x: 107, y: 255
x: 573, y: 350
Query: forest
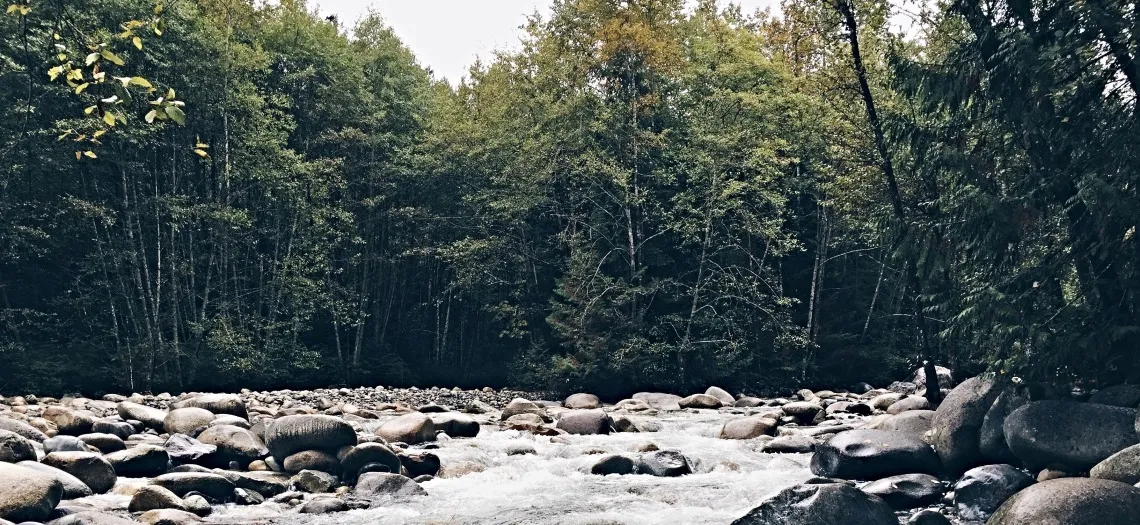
x: 645, y: 194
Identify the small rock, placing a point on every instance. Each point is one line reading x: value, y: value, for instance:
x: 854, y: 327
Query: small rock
x: 314, y: 481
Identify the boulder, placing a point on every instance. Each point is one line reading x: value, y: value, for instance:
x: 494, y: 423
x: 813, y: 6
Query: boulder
x: 634, y: 405
x: 748, y: 402
x: 1071, y: 501
x: 700, y: 401
x: 928, y: 517
x: 185, y: 449
x: 612, y: 464
x: 1126, y: 396
x: 152, y: 497
x: 372, y: 485
x: 64, y: 444
x: 991, y: 437
x: 873, y: 454
x: 15, y: 448
x: 211, y: 485
x: 422, y: 464
x: 90, y: 517
x: 217, y: 403
x: 1069, y: 434
x: 311, y: 460
x: 981, y: 490
x: 722, y: 395
x: 292, y: 434
x: 142, y: 461
x: 23, y: 429
x: 907, y: 491
x: 1123, y: 466
x: 519, y: 405
x: 914, y: 422
x: 955, y: 427
x: 585, y: 422
x: 907, y: 404
x: 114, y: 426
x: 803, y: 411
x: 324, y: 506
x: 106, y: 443
x: 267, y: 484
x: 89, y: 467
x: 582, y: 401
x: 314, y: 481
x: 659, y: 400
x: 748, y: 428
x: 664, y: 463
x: 70, y: 422
x: 363, y: 454
x: 151, y: 417
x: 456, y: 425
x: 73, y: 487
x: 168, y: 517
x: 945, y: 378
x: 187, y: 420
x: 26, y: 494
x: 821, y: 504
x: 790, y: 444
x: 234, y: 444
x: 884, y: 401
x: 230, y: 419
x: 412, y: 428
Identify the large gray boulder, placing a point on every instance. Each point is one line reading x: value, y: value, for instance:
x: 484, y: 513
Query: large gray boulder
x: 1069, y: 434
x: 722, y: 395
x: 659, y: 401
x: 185, y: 449
x: 27, y: 495
x: 585, y: 422
x: 73, y: 487
x: 211, y: 485
x: 140, y: 461
x: 311, y: 460
x: 234, y: 443
x: 151, y: 417
x: 217, y: 403
x: 91, y: 517
x: 152, y: 497
x: 748, y: 428
x: 1071, y: 501
x: 907, y: 491
x: 945, y: 378
x: 823, y: 504
x: 23, y: 429
x: 700, y: 401
x: 377, y: 484
x: 991, y: 437
x: 187, y: 420
x: 455, y: 425
x: 89, y: 467
x: 873, y: 454
x: 291, y: 434
x: 15, y: 448
x: 981, y: 490
x: 64, y: 444
x: 519, y: 405
x: 1126, y: 396
x: 169, y: 517
x: 664, y: 464
x: 356, y: 458
x: 914, y: 422
x: 1123, y: 466
x: 956, y: 425
x: 411, y: 428
x: 582, y: 402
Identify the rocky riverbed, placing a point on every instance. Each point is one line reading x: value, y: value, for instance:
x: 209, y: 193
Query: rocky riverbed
x: 989, y: 453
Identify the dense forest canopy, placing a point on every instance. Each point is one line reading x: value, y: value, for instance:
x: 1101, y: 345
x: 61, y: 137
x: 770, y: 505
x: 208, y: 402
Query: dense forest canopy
x: 216, y: 194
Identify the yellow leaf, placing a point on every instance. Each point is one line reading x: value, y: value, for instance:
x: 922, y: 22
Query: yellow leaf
x: 90, y: 110
x: 201, y: 153
x: 113, y: 58
x: 13, y: 8
x: 89, y: 154
x: 92, y: 58
x: 55, y: 36
x: 99, y: 133
x: 138, y: 42
x: 61, y: 137
x: 25, y: 9
x: 55, y: 72
x: 150, y: 116
x: 79, y: 89
x: 61, y: 57
x: 80, y: 137
x: 109, y: 118
x: 140, y: 81
x: 78, y: 155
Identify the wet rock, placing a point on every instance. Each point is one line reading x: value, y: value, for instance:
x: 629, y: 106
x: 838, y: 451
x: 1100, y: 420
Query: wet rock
x: 1069, y: 434
x: 234, y: 444
x: 909, y: 403
x: 27, y: 495
x: 89, y: 467
x: 314, y: 481
x: 152, y: 497
x: 247, y: 497
x: 991, y: 437
x: 15, y: 448
x: 412, y: 428
x: 914, y: 422
x: 217, y: 404
x: 907, y: 491
x: 291, y: 434
x: 365, y: 454
x: 955, y: 427
x: 113, y: 426
x: 93, y: 518
x: 884, y: 401
x: 585, y: 422
x: 64, y: 444
x: 311, y: 460
x: 521, y: 406
x: 197, y: 504
x: 613, y: 464
x: 142, y: 461
x: 324, y: 506
x: 748, y: 428
x: 169, y: 517
x: 582, y: 401
x: 821, y: 504
x: 70, y: 422
x: 721, y: 395
x: 422, y: 464
x: 185, y: 449
x: 700, y: 401
x: 520, y: 449
x: 377, y: 484
x: 664, y: 463
x: 106, y: 443
x: 433, y: 408
x: 266, y: 483
x: 213, y: 486
x: 790, y: 444
x: 151, y: 417
x: 22, y: 429
x: 73, y: 487
x: 981, y: 490
x: 1123, y: 466
x: 634, y: 405
x: 1071, y: 501
x: 873, y: 454
x: 803, y: 411
x: 748, y: 402
x: 659, y: 401
x: 456, y: 425
x: 187, y: 420
x: 1126, y: 396
x: 928, y: 517
x: 478, y: 407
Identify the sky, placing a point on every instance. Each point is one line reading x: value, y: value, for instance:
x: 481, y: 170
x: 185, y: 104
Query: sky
x: 447, y: 35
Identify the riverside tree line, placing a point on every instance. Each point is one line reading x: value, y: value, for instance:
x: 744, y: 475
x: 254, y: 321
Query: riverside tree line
x: 216, y: 194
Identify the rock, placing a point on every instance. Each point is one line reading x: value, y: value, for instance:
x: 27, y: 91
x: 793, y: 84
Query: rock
x: 803, y: 411
x: 634, y: 405
x: 945, y: 378
x: 314, y: 481
x: 456, y: 425
x: 412, y: 428
x: 187, y: 420
x: 520, y: 449
x: 185, y: 449
x: 909, y: 403
x: 197, y: 504
x: 234, y: 444
x: 433, y: 408
x: 928, y: 517
x: 106, y: 443
x: 521, y: 406
x: 152, y: 497
x: 1071, y: 501
x: 1068, y: 433
x: 311, y: 460
x: 585, y: 422
x: 92, y: 518
x: 700, y: 401
x: 210, y: 485
x: 903, y: 387
x: 659, y: 400
x: 292, y: 434
x: 955, y: 427
x: 151, y: 417
x: 142, y: 461
x: 914, y: 422
x: 991, y: 437
x: 15, y: 448
x: 169, y: 517
x: 365, y: 454
x: 748, y: 402
x: 721, y: 395
x: 22, y: 429
x: 790, y: 444
x: 423, y: 464
x: 376, y: 484
x: 873, y: 454
x: 73, y: 487
x: 70, y: 422
x: 89, y: 467
x: 582, y: 401
x: 884, y: 401
x: 821, y: 504
x: 748, y: 428
x: 907, y: 491
x: 114, y: 426
x: 26, y: 494
x: 218, y: 404
x: 248, y: 497
x: 64, y: 444
x: 324, y: 506
x: 1048, y: 474
x: 1126, y: 396
x: 477, y: 406
x: 267, y: 484
x: 1123, y: 466
x: 980, y: 491
x: 613, y: 464
x: 664, y: 463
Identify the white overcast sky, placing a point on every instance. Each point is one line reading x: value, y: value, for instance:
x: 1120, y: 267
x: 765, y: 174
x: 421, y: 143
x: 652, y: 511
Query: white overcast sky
x: 447, y: 35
